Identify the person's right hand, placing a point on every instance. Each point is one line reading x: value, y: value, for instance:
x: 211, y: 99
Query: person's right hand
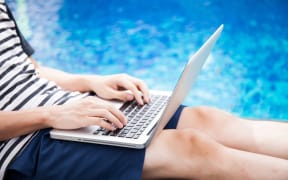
x: 85, y: 112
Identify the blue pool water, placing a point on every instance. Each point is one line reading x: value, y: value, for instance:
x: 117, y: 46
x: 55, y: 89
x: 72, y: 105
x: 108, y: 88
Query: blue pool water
x: 247, y: 72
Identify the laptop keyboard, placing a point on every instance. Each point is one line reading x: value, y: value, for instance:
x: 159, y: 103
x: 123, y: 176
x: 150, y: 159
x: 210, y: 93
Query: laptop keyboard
x: 139, y: 117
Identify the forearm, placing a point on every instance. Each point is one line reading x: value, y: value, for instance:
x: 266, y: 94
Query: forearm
x: 16, y: 123
x: 67, y: 81
x: 71, y: 82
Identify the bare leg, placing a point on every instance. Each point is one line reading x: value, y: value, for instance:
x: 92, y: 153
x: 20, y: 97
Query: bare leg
x: 265, y: 137
x: 190, y: 154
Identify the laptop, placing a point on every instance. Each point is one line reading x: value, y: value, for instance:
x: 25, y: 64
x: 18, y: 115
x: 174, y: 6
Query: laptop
x: 145, y: 122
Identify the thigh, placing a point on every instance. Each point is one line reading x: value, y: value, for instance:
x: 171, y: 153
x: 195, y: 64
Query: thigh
x: 181, y: 153
x: 190, y: 154
x: 46, y: 158
x: 265, y: 137
x: 222, y: 126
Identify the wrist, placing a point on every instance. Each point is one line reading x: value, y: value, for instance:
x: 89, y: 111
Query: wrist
x: 44, y: 117
x: 89, y: 82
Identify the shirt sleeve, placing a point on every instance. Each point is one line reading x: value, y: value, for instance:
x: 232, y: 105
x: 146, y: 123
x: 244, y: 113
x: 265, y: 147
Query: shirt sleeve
x: 27, y: 48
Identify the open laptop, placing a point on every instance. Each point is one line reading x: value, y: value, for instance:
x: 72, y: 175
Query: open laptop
x: 146, y: 121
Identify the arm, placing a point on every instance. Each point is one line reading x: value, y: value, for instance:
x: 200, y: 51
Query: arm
x: 12, y: 124
x: 121, y: 86
x: 67, y: 81
x: 82, y: 113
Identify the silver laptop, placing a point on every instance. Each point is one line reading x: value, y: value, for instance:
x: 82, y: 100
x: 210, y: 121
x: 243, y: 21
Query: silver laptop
x: 146, y: 121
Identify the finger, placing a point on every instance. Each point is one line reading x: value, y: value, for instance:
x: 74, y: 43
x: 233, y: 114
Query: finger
x: 105, y: 113
x: 100, y: 122
x: 122, y: 95
x: 143, y: 88
x: 101, y: 108
x: 117, y: 113
x: 133, y: 88
x: 101, y: 111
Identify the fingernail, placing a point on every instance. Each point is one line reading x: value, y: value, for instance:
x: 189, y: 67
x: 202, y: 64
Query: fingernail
x: 147, y: 100
x: 141, y: 102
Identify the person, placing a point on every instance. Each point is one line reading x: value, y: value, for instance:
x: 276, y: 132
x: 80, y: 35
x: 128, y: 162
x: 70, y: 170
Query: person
x: 197, y: 143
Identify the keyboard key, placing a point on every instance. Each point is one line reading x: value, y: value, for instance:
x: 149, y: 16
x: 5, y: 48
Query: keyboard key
x: 139, y: 117
x: 130, y: 135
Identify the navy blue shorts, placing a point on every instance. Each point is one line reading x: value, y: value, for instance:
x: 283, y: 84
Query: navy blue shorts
x: 46, y: 158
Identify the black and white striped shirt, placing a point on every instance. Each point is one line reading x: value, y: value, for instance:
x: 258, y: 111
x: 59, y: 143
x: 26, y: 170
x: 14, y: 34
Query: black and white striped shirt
x: 20, y: 86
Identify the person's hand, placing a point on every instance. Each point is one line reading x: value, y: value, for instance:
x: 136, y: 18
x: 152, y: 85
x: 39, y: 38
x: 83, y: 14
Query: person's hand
x: 120, y: 86
x: 85, y: 112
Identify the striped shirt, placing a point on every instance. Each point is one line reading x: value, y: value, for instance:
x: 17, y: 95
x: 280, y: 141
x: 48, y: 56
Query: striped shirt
x: 20, y: 85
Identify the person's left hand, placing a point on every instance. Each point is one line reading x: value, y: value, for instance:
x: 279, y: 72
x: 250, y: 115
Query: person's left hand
x: 120, y: 86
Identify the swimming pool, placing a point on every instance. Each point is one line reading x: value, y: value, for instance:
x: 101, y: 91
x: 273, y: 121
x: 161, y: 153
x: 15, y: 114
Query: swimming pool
x: 247, y: 72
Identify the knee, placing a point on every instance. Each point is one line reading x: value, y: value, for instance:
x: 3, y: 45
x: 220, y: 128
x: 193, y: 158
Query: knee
x: 204, y: 117
x: 203, y: 113
x: 198, y: 150
x: 196, y: 142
